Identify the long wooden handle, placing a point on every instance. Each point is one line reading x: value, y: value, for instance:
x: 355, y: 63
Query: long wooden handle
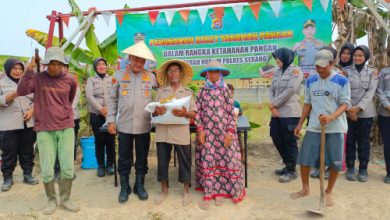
x: 322, y: 162
x: 37, y: 61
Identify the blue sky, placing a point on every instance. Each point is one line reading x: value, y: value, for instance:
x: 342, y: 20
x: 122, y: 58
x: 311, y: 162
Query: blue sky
x: 19, y: 15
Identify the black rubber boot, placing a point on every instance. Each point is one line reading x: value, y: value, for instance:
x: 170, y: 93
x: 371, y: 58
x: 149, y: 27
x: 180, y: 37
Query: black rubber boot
x: 363, y: 175
x: 350, y: 174
x: 101, y: 171
x: 125, y: 189
x: 7, y: 184
x: 29, y: 179
x: 281, y: 171
x: 139, y: 187
x: 110, y: 170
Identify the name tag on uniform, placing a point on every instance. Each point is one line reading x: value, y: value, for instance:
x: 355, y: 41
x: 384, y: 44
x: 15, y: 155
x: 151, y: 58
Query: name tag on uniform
x: 124, y: 92
x: 145, y: 77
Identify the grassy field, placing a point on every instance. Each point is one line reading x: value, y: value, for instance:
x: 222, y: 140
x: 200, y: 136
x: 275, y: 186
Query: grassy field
x: 259, y: 114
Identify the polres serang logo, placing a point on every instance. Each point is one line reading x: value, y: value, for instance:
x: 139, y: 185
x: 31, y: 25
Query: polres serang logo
x: 216, y: 21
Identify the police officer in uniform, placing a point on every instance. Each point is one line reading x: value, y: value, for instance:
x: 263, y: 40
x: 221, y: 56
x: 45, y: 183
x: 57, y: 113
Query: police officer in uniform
x: 364, y: 80
x: 286, y: 111
x: 308, y: 48
x: 16, y: 125
x: 131, y: 92
x: 383, y: 93
x: 97, y: 92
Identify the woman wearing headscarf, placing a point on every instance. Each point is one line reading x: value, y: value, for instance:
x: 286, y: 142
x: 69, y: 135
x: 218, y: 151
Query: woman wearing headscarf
x: 345, y: 55
x: 217, y: 155
x: 16, y: 114
x: 98, y: 92
x: 172, y: 77
x: 364, y: 80
x: 286, y: 110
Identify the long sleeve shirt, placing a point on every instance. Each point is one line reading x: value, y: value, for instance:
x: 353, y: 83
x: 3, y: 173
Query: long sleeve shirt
x: 53, y: 98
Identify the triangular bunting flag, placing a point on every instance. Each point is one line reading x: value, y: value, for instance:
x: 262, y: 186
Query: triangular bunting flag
x: 219, y: 12
x: 308, y: 3
x: 169, y: 16
x: 202, y: 14
x: 119, y: 16
x: 275, y: 6
x: 65, y: 19
x: 153, y: 16
x: 255, y: 7
x: 238, y: 11
x: 324, y: 4
x: 107, y: 17
x: 184, y: 14
x: 342, y: 3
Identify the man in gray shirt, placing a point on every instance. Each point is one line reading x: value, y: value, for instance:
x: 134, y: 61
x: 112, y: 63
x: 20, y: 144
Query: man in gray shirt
x: 327, y: 96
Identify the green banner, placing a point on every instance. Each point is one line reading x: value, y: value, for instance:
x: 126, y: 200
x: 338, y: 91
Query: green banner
x: 243, y: 45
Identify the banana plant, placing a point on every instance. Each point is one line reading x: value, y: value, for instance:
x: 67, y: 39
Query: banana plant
x: 77, y: 56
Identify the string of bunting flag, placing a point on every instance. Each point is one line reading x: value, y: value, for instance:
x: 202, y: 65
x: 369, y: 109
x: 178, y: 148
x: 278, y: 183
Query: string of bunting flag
x: 202, y: 11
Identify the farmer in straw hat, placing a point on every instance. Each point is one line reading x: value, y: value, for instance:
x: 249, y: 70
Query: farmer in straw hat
x: 54, y: 91
x: 131, y: 92
x: 172, y: 77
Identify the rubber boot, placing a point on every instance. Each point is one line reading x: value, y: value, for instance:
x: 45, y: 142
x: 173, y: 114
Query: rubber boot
x: 65, y: 188
x: 51, y: 197
x: 139, y: 187
x: 30, y: 180
x: 281, y: 171
x: 101, y: 171
x: 350, y: 174
x: 125, y: 189
x: 7, y: 184
x: 363, y: 175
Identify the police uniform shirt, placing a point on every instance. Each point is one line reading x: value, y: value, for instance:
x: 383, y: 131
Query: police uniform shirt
x: 12, y: 113
x: 285, y: 92
x: 383, y: 92
x: 129, y: 96
x: 306, y: 52
x: 97, y: 92
x: 363, y: 88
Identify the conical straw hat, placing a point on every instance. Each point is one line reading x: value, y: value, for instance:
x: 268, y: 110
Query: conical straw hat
x: 140, y: 50
x: 162, y: 77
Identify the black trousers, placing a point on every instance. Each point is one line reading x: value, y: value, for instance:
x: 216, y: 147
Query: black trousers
x: 18, y: 143
x: 164, y: 151
x: 384, y: 126
x: 282, y: 133
x: 104, y: 142
x: 358, y: 131
x: 126, y: 145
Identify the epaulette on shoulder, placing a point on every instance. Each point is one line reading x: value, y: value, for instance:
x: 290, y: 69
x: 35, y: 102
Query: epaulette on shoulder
x: 386, y: 70
x: 372, y: 67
